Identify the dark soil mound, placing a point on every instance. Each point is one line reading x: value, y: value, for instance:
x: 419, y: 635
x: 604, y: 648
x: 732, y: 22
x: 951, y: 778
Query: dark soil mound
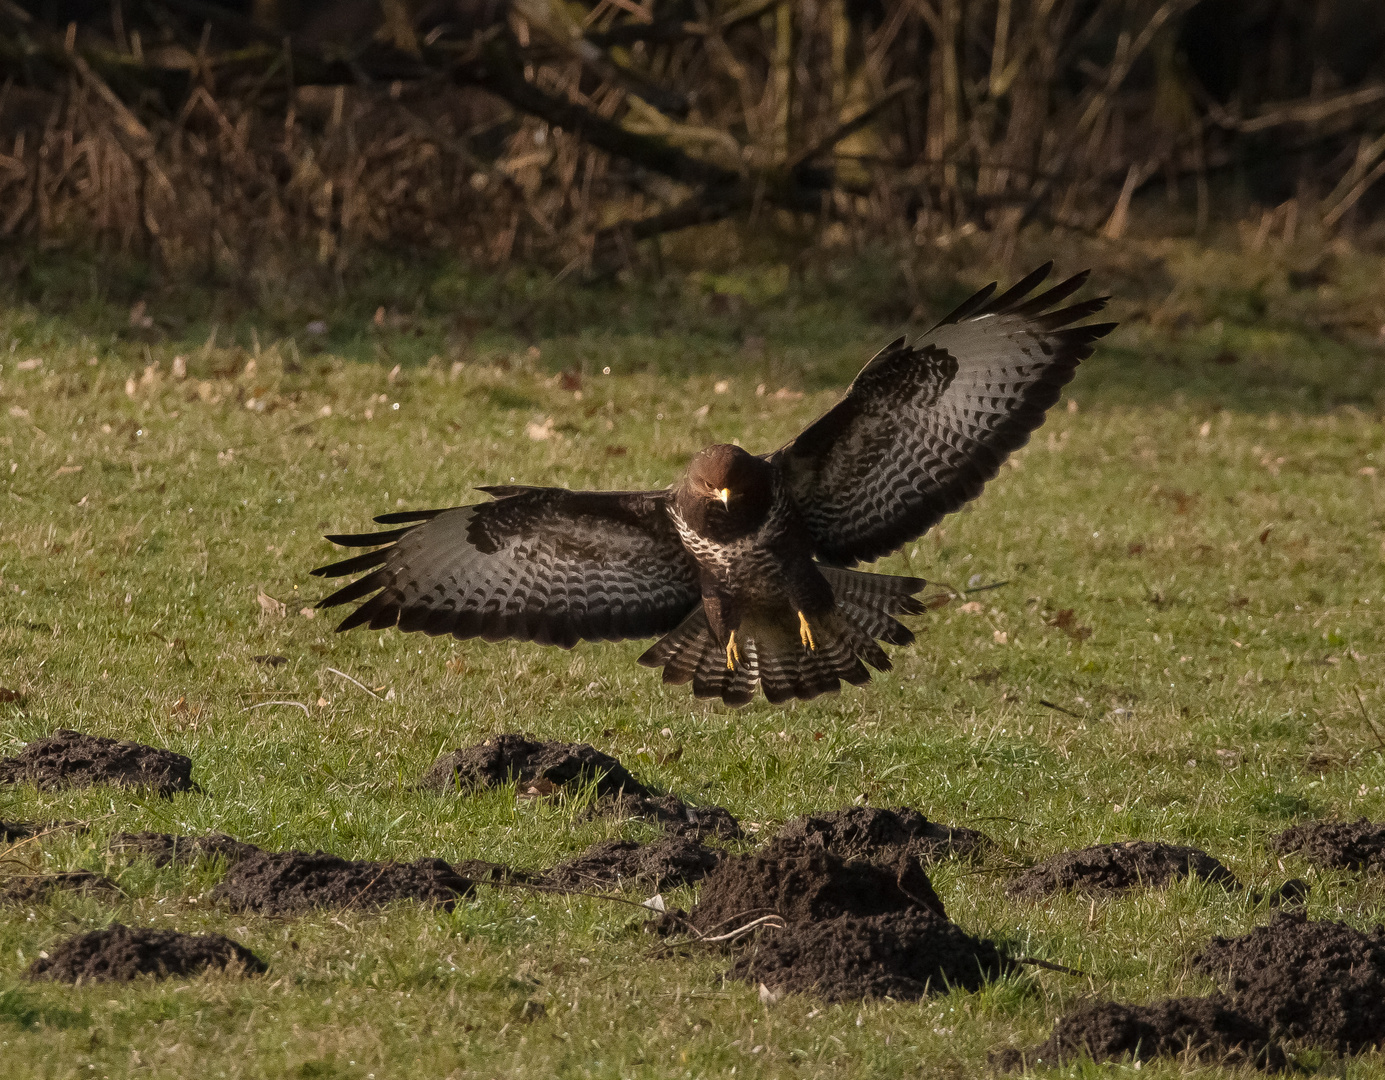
x: 1115, y: 867
x: 292, y: 881
x: 673, y: 815
x: 503, y: 758
x: 867, y: 832
x: 903, y: 955
x: 37, y: 889
x: 481, y: 870
x: 121, y: 953
x: 166, y: 848
x: 805, y: 885
x: 1339, y: 845
x: 1209, y: 1029
x: 71, y: 759
x: 664, y: 864
x: 1319, y: 981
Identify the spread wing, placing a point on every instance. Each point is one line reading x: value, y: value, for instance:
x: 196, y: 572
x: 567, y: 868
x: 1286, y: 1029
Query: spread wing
x: 537, y: 564
x: 923, y: 427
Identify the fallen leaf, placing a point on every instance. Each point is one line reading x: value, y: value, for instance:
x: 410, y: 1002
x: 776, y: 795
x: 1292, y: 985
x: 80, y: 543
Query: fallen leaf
x: 721, y: 386
x: 308, y: 613
x: 7, y: 695
x: 616, y: 451
x: 972, y: 607
x: 1001, y: 637
x: 31, y: 364
x: 538, y: 789
x: 570, y: 380
x: 540, y: 432
x: 67, y: 470
x: 1066, y: 621
x: 785, y: 394
x: 270, y: 606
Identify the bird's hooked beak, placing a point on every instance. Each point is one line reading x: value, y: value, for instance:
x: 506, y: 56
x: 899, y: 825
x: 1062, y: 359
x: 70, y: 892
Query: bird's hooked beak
x: 724, y: 494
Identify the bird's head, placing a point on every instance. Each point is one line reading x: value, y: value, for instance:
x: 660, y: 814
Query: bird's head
x: 725, y: 488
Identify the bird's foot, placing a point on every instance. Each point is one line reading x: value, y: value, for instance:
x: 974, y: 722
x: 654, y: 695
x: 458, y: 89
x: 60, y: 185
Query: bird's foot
x: 805, y: 633
x: 733, y: 652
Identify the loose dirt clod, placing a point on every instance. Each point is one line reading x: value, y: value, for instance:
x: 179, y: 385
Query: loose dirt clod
x: 71, y: 759
x: 806, y: 885
x: 1323, y: 982
x: 868, y: 832
x: 17, y: 830
x: 673, y: 814
x: 121, y: 953
x: 1338, y: 845
x: 166, y: 848
x: 293, y: 881
x: 664, y: 864
x: 503, y: 758
x: 902, y: 955
x: 1116, y: 867
x: 38, y: 888
x: 1208, y: 1029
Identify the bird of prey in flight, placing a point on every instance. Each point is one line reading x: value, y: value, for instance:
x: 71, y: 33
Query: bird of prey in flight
x: 742, y: 567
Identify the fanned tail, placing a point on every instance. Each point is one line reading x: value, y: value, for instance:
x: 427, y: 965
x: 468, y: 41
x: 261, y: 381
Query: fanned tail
x: 772, y: 652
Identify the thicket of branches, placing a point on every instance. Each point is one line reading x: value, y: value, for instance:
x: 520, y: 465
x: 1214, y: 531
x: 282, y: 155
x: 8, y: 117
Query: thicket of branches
x: 220, y: 133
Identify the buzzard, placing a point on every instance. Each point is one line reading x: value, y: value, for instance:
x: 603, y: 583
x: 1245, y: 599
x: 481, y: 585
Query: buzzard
x: 742, y: 567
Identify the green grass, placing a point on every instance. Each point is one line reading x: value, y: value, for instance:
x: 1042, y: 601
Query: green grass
x: 1216, y: 526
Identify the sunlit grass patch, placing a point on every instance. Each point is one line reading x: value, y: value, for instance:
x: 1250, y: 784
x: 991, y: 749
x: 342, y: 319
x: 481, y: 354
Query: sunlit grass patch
x: 1161, y: 621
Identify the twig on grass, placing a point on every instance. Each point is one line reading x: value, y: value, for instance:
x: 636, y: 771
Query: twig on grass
x: 774, y: 922
x: 1369, y: 723
x: 1048, y: 965
x: 1059, y: 708
x: 262, y: 704
x: 362, y: 685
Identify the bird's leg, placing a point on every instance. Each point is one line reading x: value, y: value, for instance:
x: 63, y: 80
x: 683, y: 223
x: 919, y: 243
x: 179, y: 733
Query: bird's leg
x: 805, y: 632
x: 733, y: 652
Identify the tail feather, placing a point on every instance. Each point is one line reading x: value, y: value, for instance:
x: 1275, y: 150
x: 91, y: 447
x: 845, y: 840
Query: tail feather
x: 773, y: 655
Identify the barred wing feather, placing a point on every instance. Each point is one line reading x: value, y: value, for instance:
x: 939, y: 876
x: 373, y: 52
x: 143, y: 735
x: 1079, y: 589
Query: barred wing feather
x: 537, y: 564
x: 923, y: 427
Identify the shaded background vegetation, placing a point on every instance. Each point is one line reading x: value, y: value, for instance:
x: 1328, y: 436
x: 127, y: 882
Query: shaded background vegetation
x: 236, y: 138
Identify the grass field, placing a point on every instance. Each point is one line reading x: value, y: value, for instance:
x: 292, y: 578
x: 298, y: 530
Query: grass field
x: 1205, y: 504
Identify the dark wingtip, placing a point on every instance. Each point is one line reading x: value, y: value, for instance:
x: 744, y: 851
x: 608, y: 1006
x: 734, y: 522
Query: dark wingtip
x: 403, y: 516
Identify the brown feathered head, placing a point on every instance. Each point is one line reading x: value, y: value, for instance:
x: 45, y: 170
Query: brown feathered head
x: 725, y: 492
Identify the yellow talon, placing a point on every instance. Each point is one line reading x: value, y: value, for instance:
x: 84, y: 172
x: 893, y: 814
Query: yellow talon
x: 733, y: 652
x: 805, y: 632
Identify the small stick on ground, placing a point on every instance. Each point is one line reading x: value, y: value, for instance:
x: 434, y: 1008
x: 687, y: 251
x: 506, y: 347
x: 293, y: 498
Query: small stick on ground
x: 362, y: 685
